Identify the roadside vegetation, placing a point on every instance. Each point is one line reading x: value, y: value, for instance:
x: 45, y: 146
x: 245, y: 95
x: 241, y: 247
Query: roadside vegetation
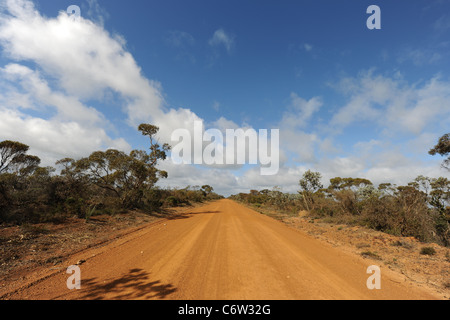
x: 420, y: 209
x: 105, y: 182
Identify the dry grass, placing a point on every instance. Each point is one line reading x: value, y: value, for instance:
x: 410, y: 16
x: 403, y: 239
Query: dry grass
x: 28, y: 247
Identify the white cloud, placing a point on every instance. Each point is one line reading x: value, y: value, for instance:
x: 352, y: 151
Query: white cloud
x: 300, y: 111
x: 67, y: 107
x: 96, y: 13
x: 308, y: 47
x: 222, y: 38
x: 75, y: 61
x: 223, y: 124
x: 223, y: 181
x: 52, y: 139
x: 293, y: 137
x: 392, y: 104
x: 72, y: 129
x: 84, y: 57
x: 420, y: 57
x: 287, y: 179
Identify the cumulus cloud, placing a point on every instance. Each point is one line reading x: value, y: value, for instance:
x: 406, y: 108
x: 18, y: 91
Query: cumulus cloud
x: 405, y: 120
x: 34, y: 86
x: 83, y: 56
x: 300, y: 111
x: 74, y: 61
x: 392, y: 104
x: 60, y: 64
x: 70, y: 127
x: 294, y: 137
x: 54, y: 139
x: 223, y: 181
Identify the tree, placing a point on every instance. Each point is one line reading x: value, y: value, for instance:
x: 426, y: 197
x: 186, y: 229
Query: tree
x: 24, y: 186
x: 13, y: 158
x: 309, y: 184
x: 443, y: 148
x: 440, y: 194
x: 413, y: 216
x: 440, y: 198
x: 207, y: 189
x: 350, y: 192
x: 387, y: 189
x: 423, y: 184
x: 126, y: 176
x: 311, y: 181
x: 339, y: 183
x: 103, y: 168
x: 157, y: 152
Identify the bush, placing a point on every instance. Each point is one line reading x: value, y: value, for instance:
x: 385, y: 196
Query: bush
x: 325, y: 207
x: 152, y: 199
x: 172, y: 201
x: 74, y: 206
x: 370, y: 254
x: 428, y: 251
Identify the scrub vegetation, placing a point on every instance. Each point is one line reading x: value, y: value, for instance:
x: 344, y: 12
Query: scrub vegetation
x: 420, y: 209
x: 105, y: 182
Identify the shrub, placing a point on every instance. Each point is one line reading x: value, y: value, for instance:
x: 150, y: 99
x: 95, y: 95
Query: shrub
x: 152, y: 199
x: 172, y: 201
x: 370, y: 254
x: 428, y: 251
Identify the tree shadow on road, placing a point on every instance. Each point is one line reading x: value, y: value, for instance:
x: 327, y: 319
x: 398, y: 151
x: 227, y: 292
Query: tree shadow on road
x: 135, y: 285
x: 189, y: 214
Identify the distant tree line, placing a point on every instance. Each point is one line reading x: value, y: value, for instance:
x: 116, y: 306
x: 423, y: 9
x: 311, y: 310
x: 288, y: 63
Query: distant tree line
x: 108, y: 182
x: 420, y: 209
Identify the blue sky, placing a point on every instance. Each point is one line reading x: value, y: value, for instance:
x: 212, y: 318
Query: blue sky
x: 348, y: 101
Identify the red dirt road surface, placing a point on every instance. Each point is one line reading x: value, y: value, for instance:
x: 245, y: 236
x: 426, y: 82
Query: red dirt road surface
x: 222, y: 250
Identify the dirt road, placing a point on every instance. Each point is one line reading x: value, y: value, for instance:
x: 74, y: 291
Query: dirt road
x: 219, y: 251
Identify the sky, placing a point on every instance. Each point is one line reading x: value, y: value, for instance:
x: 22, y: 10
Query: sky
x: 347, y: 100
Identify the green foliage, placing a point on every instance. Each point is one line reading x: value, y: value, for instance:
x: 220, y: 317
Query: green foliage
x: 152, y: 199
x: 172, y: 201
x: 74, y: 206
x: 89, y: 212
x: 310, y: 181
x: 13, y: 157
x: 443, y: 148
x: 287, y: 203
x: 309, y: 184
